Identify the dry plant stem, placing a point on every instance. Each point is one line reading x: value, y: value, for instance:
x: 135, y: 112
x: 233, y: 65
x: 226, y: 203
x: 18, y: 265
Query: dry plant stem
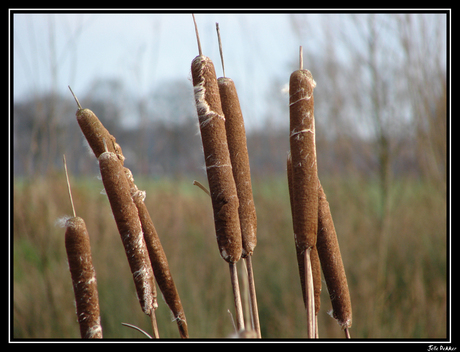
x: 332, y: 264
x: 137, y: 328
x: 310, y: 296
x: 237, y: 297
x: 220, y: 49
x: 159, y: 262
x: 203, y: 188
x: 253, y: 297
x: 68, y: 185
x: 83, y: 278
x: 129, y: 226
x: 217, y: 158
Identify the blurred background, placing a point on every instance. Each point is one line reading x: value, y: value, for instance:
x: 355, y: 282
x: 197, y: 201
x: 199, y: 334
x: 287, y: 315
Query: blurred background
x: 381, y: 132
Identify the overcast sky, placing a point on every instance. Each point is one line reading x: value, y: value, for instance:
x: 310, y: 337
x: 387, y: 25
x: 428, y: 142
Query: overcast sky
x: 146, y: 50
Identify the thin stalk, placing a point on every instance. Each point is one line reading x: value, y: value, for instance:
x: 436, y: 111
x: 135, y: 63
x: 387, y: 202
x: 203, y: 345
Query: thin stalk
x: 310, y: 296
x: 253, y: 298
x: 237, y: 297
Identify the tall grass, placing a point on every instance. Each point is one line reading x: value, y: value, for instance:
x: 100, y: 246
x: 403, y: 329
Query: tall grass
x: 410, y: 303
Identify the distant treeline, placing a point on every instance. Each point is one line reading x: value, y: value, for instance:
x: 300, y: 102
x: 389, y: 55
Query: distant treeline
x: 169, y: 145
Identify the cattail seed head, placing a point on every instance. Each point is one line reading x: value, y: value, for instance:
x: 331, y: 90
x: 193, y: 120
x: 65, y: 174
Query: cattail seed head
x: 159, y: 264
x: 332, y: 264
x: 303, y: 154
x: 217, y: 158
x: 83, y: 278
x: 129, y: 226
x: 95, y: 133
x: 236, y: 137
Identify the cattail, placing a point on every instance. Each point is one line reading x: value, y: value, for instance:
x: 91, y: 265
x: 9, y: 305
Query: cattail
x: 236, y: 138
x: 217, y: 158
x: 95, y: 132
x: 160, y: 264
x: 83, y: 278
x: 303, y: 154
x: 332, y: 265
x: 304, y: 178
x: 82, y: 271
x: 314, y: 257
x: 129, y: 226
x: 96, y: 135
x: 222, y: 186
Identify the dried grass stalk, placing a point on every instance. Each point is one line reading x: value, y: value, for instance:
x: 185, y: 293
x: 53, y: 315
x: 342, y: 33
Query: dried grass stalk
x: 83, y: 275
x: 332, y: 264
x: 217, y: 158
x: 129, y: 226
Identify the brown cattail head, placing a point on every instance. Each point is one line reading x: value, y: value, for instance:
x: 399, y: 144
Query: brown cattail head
x: 314, y: 257
x: 303, y: 153
x: 95, y: 133
x: 217, y: 158
x: 83, y: 275
x: 236, y: 137
x: 332, y: 264
x: 160, y: 264
x: 129, y: 226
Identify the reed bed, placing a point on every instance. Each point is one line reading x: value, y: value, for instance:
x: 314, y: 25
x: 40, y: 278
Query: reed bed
x: 43, y: 298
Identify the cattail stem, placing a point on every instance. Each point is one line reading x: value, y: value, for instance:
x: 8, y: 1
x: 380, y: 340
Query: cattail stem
x: 310, y: 296
x: 220, y: 49
x: 68, y: 185
x: 237, y: 297
x: 197, y: 36
x: 253, y: 297
x: 153, y: 321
